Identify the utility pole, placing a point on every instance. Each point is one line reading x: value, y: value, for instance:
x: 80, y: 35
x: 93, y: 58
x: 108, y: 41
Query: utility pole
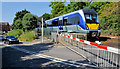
x: 42, y: 29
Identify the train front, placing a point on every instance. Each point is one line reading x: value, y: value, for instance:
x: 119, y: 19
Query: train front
x: 92, y: 23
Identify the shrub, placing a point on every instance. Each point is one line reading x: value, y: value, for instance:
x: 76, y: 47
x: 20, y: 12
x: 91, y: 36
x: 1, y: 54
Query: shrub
x: 109, y: 19
x: 4, y: 35
x: 16, y: 33
x: 27, y: 36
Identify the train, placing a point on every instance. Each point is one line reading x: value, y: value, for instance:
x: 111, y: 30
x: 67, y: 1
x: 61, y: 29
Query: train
x: 84, y: 21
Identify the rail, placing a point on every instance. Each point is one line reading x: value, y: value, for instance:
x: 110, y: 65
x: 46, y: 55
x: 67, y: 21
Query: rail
x: 99, y: 55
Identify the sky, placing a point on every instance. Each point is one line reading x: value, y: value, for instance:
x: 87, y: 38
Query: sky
x: 10, y: 8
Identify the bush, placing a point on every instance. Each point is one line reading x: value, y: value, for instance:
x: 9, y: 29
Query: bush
x: 27, y: 36
x: 15, y: 33
x: 4, y: 35
x: 109, y: 19
x: 109, y: 32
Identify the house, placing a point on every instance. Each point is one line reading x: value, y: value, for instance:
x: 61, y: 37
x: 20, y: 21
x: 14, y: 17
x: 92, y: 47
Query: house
x: 4, y: 27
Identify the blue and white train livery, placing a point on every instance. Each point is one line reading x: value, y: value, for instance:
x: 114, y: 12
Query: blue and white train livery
x: 84, y: 21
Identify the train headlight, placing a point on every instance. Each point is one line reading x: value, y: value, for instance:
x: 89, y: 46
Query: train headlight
x: 87, y: 27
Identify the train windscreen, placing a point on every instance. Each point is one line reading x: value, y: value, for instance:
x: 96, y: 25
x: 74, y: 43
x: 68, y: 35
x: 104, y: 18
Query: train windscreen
x: 91, y: 18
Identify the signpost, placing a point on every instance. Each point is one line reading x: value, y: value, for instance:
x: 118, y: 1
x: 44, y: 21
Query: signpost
x: 40, y: 23
x: 42, y: 29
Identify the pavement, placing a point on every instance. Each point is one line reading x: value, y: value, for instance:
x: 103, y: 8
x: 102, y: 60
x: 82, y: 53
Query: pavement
x: 37, y: 54
x: 1, y: 43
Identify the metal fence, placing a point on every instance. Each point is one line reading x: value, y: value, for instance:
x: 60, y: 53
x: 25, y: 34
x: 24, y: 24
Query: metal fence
x: 106, y: 57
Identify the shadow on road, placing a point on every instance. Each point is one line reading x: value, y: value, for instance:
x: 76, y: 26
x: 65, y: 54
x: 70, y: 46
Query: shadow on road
x: 38, y: 47
x: 13, y: 58
x: 20, y: 42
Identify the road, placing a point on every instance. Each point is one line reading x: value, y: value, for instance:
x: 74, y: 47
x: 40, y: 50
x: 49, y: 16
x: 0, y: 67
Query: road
x: 38, y: 55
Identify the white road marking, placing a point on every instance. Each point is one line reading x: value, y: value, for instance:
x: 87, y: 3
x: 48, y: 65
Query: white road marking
x: 72, y: 63
x: 1, y: 43
x: 48, y: 63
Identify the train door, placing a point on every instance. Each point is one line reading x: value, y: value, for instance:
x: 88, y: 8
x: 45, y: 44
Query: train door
x: 60, y: 22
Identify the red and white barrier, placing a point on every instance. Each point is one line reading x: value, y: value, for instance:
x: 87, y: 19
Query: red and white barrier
x: 110, y: 49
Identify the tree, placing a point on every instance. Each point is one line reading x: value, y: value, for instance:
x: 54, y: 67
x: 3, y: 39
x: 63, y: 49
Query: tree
x: 74, y: 6
x: 18, y: 24
x: 109, y: 18
x: 29, y: 22
x: 45, y: 16
x: 19, y: 15
x: 96, y: 6
x: 56, y: 8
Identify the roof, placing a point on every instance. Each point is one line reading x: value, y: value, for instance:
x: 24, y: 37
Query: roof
x: 63, y: 15
x: 85, y: 10
x: 4, y: 23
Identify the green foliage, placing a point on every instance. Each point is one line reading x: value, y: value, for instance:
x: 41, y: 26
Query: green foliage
x: 27, y: 36
x: 4, y: 34
x: 74, y: 6
x: 23, y: 36
x: 45, y: 16
x: 29, y: 22
x: 24, y: 20
x: 56, y: 8
x: 97, y: 5
x: 36, y: 36
x: 109, y: 19
x: 18, y: 24
x: 18, y: 16
x: 16, y: 32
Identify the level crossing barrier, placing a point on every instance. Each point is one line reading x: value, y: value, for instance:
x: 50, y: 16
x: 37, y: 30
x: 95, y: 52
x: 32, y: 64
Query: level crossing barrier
x: 99, y: 55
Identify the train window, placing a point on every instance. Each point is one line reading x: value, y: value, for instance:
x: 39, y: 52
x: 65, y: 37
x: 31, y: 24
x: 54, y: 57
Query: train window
x: 77, y: 20
x: 55, y: 23
x: 94, y: 17
x: 73, y: 20
x: 49, y: 23
x: 65, y: 22
x: 60, y: 22
x: 69, y: 21
x: 91, y: 18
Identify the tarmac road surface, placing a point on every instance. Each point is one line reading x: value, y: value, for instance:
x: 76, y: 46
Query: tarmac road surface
x: 38, y: 55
